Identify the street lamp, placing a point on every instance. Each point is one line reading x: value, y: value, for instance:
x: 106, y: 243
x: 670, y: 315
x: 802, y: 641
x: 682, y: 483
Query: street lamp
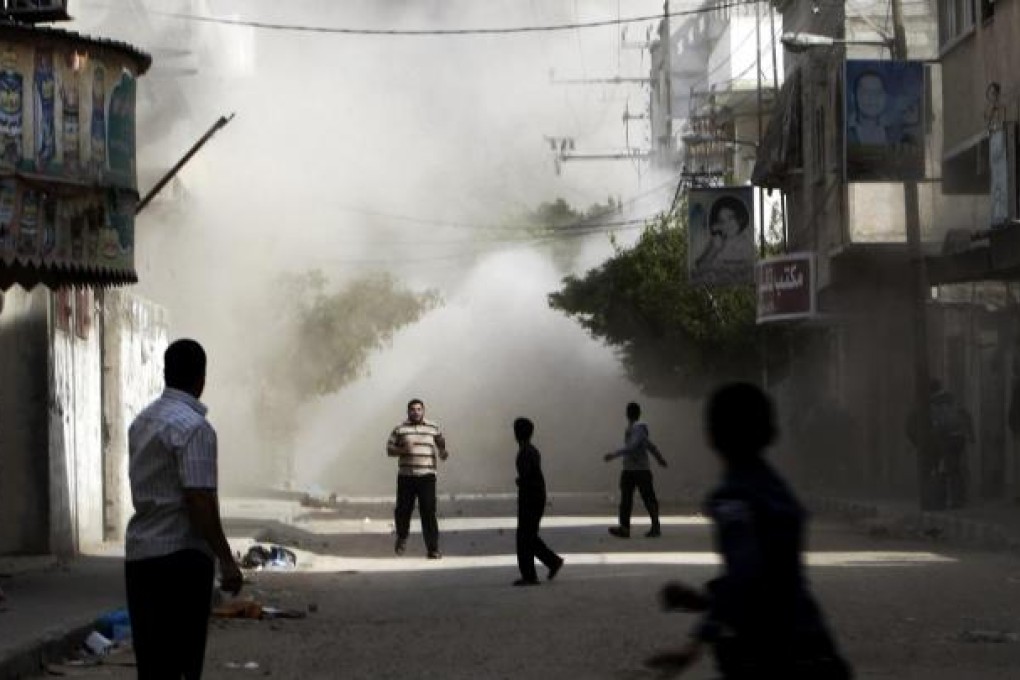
x: 801, y: 42
x: 695, y: 138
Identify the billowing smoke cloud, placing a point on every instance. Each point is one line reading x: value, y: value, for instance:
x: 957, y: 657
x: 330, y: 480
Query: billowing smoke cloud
x: 353, y: 154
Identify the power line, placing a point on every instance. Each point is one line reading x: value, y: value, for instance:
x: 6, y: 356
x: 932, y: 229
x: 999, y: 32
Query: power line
x: 508, y: 30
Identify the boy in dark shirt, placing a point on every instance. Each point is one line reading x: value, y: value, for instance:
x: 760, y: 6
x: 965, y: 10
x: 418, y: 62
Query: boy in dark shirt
x: 530, y: 508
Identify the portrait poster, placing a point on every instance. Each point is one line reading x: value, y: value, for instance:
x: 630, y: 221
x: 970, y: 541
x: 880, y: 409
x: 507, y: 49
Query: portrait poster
x: 884, y: 120
x: 721, y: 236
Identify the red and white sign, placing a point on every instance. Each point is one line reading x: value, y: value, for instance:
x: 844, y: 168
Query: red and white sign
x: 786, y: 287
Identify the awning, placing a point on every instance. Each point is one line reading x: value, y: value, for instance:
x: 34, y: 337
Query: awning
x: 780, y: 151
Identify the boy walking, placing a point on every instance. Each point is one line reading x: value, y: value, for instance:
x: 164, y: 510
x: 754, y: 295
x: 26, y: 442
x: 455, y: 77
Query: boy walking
x: 530, y: 508
x: 637, y: 473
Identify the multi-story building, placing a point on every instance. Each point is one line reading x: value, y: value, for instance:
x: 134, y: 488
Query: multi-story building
x: 705, y: 115
x: 850, y: 212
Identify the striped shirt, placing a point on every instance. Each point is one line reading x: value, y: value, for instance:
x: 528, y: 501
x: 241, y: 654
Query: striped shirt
x: 172, y: 447
x: 422, y: 460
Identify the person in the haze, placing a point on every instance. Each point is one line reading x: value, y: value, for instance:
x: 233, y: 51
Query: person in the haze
x: 727, y: 221
x: 530, y: 508
x: 952, y: 428
x: 636, y: 473
x: 760, y: 617
x: 175, y: 531
x: 419, y: 445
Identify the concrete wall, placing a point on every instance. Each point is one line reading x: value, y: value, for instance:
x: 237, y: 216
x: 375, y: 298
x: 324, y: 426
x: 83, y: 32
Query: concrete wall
x: 990, y: 53
x: 135, y: 335
x: 24, y: 511
x: 75, y: 415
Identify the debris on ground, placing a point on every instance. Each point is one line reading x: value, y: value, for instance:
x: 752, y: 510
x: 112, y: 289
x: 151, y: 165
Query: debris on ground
x: 237, y: 665
x: 309, y: 500
x: 238, y: 609
x: 272, y: 558
x: 993, y: 636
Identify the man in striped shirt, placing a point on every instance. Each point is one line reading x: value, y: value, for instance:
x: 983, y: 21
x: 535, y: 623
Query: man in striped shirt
x: 175, y: 532
x: 418, y: 444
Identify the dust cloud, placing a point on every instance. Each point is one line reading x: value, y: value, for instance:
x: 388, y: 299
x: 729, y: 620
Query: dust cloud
x: 354, y: 154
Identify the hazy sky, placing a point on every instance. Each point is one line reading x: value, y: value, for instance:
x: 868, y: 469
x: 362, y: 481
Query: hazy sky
x: 337, y: 140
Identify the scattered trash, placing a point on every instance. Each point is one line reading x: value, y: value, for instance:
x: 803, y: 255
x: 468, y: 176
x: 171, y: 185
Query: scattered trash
x: 98, y: 644
x: 115, y: 625
x: 238, y: 609
x: 278, y: 613
x: 273, y: 557
x: 995, y: 636
x: 247, y: 665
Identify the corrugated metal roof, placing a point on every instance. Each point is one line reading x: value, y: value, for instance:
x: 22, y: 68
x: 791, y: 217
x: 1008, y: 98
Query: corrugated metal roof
x: 143, y: 59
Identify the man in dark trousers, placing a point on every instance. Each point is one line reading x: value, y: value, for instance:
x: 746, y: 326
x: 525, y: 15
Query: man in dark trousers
x: 637, y: 473
x: 530, y: 508
x: 175, y: 532
x: 952, y: 428
x: 419, y: 445
x: 760, y: 617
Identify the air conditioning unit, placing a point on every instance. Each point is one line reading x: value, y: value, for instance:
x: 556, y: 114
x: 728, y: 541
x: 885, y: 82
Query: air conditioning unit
x: 31, y: 11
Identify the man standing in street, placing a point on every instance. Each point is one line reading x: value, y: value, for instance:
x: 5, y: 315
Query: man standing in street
x: 175, y: 532
x: 531, y: 499
x: 418, y: 444
x: 636, y: 473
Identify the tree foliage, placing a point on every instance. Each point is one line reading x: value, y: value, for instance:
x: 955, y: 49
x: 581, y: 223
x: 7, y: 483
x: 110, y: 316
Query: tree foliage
x: 321, y: 340
x: 674, y: 337
x: 333, y: 333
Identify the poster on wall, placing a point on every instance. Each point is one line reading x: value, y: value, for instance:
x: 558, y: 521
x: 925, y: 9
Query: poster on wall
x: 120, y: 142
x: 45, y: 112
x: 12, y: 115
x: 70, y: 108
x: 884, y: 135
x: 721, y: 229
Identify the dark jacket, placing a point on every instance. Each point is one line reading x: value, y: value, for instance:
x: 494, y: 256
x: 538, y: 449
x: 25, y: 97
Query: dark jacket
x: 763, y: 621
x: 530, y: 481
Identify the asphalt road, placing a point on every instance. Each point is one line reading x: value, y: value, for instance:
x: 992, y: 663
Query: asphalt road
x: 900, y: 609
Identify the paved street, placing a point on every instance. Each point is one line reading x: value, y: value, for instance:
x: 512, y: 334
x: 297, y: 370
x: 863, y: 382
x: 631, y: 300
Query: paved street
x: 901, y: 609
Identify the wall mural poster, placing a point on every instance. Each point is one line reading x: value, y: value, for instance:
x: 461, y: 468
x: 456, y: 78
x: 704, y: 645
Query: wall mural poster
x: 721, y: 236
x: 70, y: 98
x: 11, y: 108
x: 98, y: 127
x: 8, y: 196
x: 121, y: 132
x: 884, y: 120
x: 44, y: 121
x: 28, y: 226
x: 121, y: 241
x: 48, y: 226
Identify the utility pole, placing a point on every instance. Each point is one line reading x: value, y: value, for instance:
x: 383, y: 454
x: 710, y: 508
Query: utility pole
x: 919, y: 302
x: 667, y: 64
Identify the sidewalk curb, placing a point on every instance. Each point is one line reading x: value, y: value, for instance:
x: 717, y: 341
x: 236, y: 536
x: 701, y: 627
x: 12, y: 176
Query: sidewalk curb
x: 55, y: 645
x: 924, y: 525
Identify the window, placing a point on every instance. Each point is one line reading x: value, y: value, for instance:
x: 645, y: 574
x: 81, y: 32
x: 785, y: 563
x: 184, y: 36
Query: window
x: 956, y: 17
x: 987, y: 10
x: 63, y: 309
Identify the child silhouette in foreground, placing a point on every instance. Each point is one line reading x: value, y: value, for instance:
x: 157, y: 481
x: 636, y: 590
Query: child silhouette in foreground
x: 759, y: 616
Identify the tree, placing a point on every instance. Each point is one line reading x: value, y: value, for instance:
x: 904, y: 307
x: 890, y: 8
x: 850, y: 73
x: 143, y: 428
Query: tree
x: 674, y: 338
x: 322, y: 340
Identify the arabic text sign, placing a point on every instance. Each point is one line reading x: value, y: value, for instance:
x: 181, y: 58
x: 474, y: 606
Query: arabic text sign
x: 786, y: 287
